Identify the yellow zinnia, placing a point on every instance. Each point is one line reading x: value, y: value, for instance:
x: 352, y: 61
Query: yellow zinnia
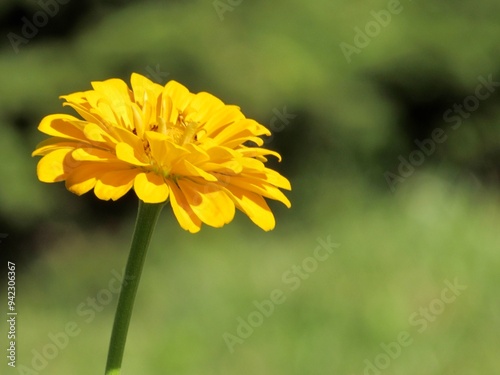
x: 166, y: 143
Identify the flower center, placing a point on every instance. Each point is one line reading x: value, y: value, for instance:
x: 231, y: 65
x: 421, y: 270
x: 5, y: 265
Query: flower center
x: 180, y: 133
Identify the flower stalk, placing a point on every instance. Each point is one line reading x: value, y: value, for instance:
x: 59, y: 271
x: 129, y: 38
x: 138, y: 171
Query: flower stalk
x: 147, y: 217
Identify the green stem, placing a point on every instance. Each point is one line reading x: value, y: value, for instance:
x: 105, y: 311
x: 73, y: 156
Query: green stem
x: 147, y: 217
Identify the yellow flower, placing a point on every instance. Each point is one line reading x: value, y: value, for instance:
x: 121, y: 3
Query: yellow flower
x: 166, y: 143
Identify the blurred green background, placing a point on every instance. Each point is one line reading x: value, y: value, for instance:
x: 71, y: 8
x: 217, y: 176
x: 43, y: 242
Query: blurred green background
x: 346, y: 123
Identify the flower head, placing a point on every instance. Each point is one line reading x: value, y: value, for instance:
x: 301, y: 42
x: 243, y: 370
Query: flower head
x: 167, y: 144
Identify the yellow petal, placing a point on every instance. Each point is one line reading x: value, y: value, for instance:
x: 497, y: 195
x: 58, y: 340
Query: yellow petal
x: 127, y: 153
x: 52, y: 144
x: 96, y: 133
x: 272, y: 177
x: 232, y: 133
x: 219, y: 154
x: 229, y: 168
x: 197, y: 155
x: 202, y: 106
x: 146, y: 94
x: 222, y: 118
x: 208, y: 202
x: 254, y: 206
x: 145, y: 91
x: 93, y: 154
x: 238, y: 142
x: 180, y: 95
x: 115, y: 184
x: 83, y: 109
x: 124, y: 135
x: 53, y: 167
x: 83, y: 178
x: 168, y: 114
x: 165, y: 152
x: 117, y: 95
x: 64, y: 126
x: 109, y: 113
x: 182, y: 210
x: 241, y: 129
x: 151, y: 188
x: 75, y: 98
x: 192, y: 170
x: 251, y: 152
x: 260, y: 187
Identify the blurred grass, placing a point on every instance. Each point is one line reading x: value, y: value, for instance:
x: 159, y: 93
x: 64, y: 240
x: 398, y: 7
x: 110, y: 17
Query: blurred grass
x: 394, y: 258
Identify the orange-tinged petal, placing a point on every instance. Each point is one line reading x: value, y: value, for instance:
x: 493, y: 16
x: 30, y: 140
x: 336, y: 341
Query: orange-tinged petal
x: 208, y: 202
x: 182, y: 210
x: 151, y: 188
